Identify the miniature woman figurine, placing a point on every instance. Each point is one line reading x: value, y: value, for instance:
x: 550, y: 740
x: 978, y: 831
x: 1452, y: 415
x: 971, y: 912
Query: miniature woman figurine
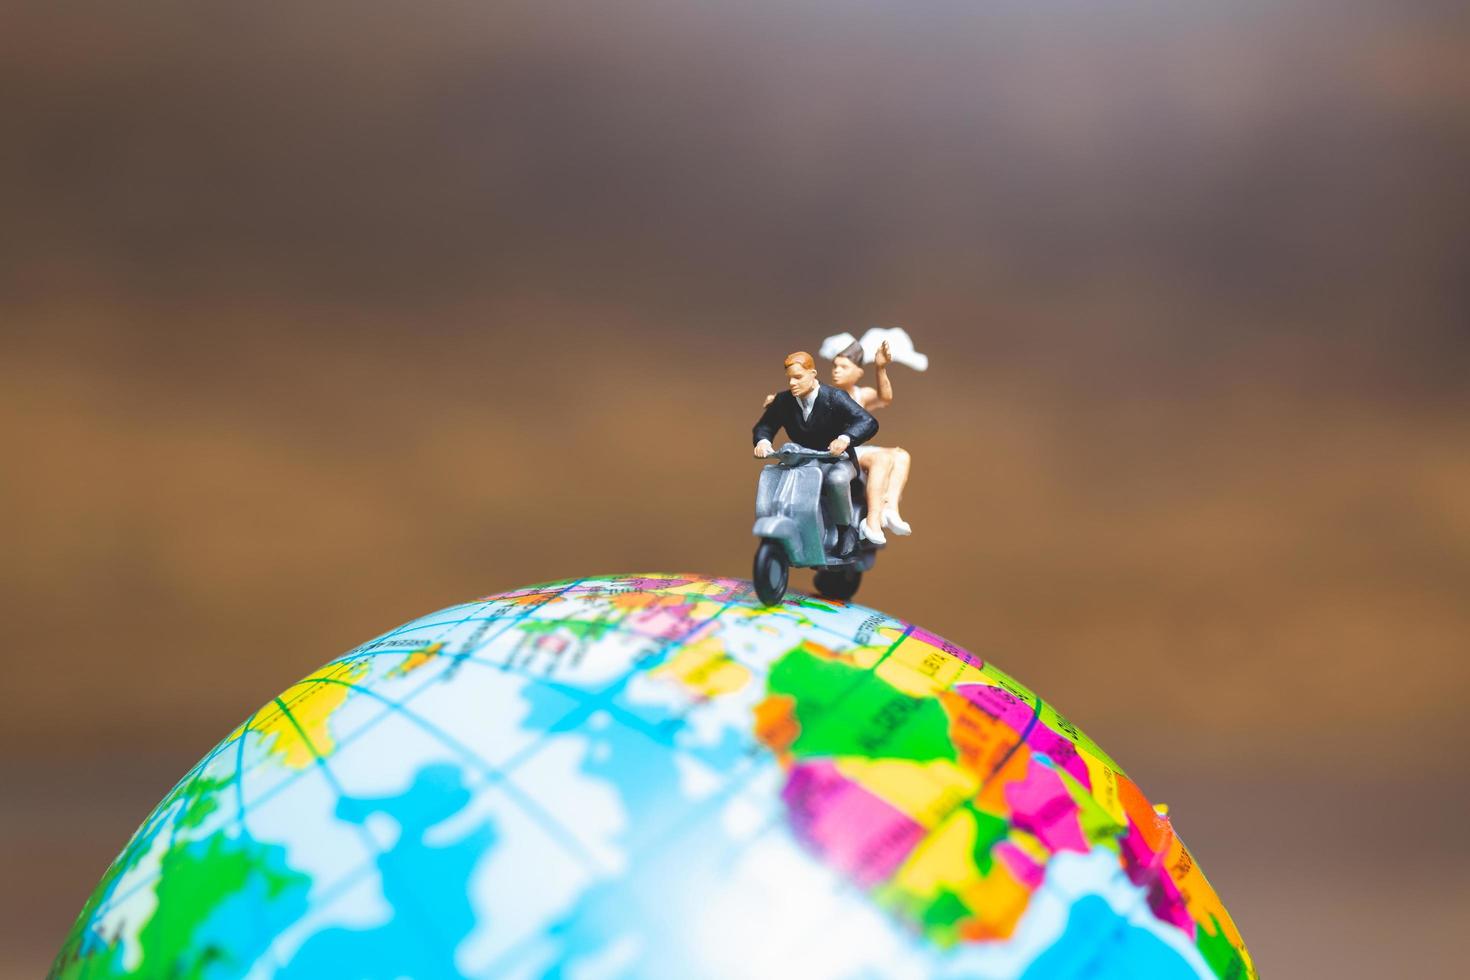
x: 886, y: 470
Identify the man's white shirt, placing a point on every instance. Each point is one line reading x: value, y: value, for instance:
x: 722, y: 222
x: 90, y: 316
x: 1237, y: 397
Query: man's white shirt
x: 807, y: 403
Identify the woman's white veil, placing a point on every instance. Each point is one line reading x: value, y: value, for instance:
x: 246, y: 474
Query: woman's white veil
x: 900, y: 345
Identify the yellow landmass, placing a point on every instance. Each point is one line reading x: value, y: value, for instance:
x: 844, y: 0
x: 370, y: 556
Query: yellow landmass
x: 416, y: 659
x: 1104, y: 786
x: 864, y: 657
x: 296, y: 726
x: 529, y: 599
x: 943, y: 860
x: 1030, y: 845
x: 926, y: 791
x: 705, y: 667
x: 920, y: 669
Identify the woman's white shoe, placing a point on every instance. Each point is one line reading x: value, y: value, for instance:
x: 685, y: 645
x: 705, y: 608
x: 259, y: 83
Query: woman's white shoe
x: 868, y: 534
x: 896, y: 524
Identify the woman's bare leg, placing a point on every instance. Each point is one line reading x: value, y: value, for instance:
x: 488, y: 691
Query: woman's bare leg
x: 879, y: 466
x: 898, y: 478
x: 865, y: 463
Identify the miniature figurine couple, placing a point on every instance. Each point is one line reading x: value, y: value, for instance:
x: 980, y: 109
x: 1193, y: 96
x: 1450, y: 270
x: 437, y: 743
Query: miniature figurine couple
x: 837, y: 418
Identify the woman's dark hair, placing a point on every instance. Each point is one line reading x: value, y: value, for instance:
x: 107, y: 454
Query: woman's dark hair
x: 853, y: 352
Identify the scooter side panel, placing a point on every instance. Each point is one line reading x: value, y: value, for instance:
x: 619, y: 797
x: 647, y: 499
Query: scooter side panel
x: 794, y: 493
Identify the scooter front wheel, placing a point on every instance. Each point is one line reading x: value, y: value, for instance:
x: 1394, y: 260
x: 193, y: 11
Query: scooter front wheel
x: 772, y: 571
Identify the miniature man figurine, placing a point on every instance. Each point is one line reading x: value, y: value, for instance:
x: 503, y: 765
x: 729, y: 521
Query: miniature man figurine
x: 819, y: 416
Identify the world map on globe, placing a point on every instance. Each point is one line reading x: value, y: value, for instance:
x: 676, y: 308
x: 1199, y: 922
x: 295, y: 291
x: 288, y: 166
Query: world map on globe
x: 655, y: 776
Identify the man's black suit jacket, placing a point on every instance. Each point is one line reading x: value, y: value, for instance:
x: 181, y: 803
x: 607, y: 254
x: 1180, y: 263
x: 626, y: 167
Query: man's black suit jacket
x: 834, y: 414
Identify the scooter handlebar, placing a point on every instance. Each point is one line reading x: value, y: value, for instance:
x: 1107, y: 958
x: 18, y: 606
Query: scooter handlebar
x: 791, y: 451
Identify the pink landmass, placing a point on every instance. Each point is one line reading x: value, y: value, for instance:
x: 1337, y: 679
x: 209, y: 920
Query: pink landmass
x: 1145, y: 869
x: 1041, y: 805
x: 651, y: 584
x: 1021, y: 864
x: 853, y: 830
x: 663, y: 622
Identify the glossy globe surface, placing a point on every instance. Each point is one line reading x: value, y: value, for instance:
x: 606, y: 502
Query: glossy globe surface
x: 655, y: 776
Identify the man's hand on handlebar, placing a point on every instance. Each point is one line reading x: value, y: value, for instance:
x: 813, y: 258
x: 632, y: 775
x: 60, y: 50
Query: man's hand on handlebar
x: 839, y: 445
x: 763, y: 449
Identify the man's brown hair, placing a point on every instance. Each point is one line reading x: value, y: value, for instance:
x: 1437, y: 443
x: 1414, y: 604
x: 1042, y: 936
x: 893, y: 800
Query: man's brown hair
x: 801, y: 357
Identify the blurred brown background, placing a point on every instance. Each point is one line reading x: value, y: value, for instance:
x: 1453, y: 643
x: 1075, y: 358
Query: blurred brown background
x: 318, y: 317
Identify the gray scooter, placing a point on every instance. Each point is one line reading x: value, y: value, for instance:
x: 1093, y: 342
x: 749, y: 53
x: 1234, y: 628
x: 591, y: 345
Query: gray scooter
x: 796, y: 530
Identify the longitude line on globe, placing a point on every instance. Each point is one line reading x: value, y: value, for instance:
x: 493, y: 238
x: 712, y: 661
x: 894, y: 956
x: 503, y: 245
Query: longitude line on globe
x: 360, y: 828
x: 489, y: 773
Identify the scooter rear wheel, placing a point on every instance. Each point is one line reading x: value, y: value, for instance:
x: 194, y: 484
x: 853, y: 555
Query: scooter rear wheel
x: 772, y: 571
x: 839, y: 583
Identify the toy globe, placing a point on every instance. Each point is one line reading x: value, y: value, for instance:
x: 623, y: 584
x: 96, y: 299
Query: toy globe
x: 655, y: 776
